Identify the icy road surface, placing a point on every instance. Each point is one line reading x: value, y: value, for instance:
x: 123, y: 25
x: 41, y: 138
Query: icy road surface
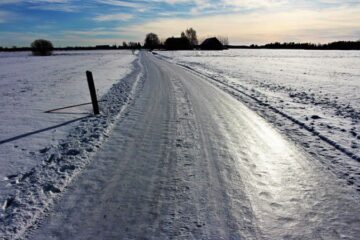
x: 191, y: 162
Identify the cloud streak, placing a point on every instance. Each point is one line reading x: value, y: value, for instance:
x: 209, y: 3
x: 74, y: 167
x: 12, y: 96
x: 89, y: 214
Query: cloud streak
x: 122, y: 3
x: 265, y: 26
x: 243, y: 21
x: 114, y: 17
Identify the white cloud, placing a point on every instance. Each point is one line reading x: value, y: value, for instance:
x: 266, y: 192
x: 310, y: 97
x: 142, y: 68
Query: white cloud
x: 121, y: 3
x: 250, y: 4
x: 263, y: 26
x: 89, y: 33
x: 56, y: 7
x: 172, y: 1
x: 114, y: 17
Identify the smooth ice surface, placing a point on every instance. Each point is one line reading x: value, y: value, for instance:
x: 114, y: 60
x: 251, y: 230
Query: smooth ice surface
x: 190, y: 161
x: 29, y: 86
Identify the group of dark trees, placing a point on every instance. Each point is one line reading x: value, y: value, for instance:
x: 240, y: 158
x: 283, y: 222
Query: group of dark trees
x: 340, y: 45
x: 131, y: 45
x: 39, y: 47
x: 188, y: 40
x: 42, y: 47
x: 190, y: 34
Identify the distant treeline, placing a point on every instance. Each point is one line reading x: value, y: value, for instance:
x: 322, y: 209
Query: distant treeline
x: 340, y: 45
x: 130, y: 45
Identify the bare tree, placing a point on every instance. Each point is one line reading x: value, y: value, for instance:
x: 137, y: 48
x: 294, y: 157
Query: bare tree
x: 223, y: 40
x: 191, y: 35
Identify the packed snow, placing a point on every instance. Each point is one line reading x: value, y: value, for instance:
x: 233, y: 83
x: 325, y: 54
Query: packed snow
x: 314, y: 90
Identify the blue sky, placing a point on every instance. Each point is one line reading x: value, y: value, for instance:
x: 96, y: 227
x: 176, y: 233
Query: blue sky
x: 76, y: 22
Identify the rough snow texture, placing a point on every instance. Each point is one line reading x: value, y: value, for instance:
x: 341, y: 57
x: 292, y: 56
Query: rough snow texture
x: 30, y: 85
x: 312, y: 96
x: 26, y: 195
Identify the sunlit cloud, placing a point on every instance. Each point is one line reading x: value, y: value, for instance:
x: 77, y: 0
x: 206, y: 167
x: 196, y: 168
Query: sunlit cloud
x: 243, y: 21
x: 121, y: 3
x: 266, y: 26
x: 251, y: 4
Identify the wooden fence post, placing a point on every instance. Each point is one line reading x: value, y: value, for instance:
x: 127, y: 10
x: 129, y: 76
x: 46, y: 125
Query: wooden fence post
x: 91, y: 84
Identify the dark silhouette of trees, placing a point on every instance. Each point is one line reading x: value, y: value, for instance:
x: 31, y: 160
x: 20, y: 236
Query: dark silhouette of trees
x: 181, y: 43
x: 340, y: 45
x: 191, y: 35
x: 187, y: 41
x: 42, y: 47
x: 151, y: 41
x: 211, y: 44
x: 290, y: 45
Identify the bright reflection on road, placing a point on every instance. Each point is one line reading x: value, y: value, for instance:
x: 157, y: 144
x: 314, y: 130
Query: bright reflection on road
x: 292, y: 195
x: 263, y: 175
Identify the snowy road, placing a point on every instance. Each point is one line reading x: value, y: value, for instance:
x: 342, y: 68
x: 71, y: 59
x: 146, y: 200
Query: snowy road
x: 191, y: 162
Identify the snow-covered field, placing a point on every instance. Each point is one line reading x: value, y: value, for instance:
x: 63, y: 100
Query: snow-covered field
x: 318, y: 91
x: 29, y: 86
x: 41, y: 153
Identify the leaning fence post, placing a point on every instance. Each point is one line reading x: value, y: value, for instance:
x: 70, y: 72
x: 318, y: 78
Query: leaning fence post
x: 91, y: 84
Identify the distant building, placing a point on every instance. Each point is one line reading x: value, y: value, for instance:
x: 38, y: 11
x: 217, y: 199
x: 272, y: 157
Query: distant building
x: 211, y: 44
x: 181, y: 43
